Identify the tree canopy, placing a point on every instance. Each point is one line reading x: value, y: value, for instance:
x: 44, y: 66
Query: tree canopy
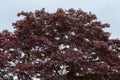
x: 64, y: 45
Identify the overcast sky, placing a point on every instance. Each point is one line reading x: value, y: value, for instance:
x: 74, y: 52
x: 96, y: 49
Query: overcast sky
x: 106, y: 10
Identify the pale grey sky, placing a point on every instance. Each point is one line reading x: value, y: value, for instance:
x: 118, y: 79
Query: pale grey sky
x: 106, y: 10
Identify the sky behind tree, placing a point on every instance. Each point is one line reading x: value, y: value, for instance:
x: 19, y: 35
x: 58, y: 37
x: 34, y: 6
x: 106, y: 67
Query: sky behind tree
x: 106, y: 10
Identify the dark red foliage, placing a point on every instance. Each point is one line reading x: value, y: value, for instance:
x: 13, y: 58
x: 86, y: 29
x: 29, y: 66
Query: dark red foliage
x: 65, y: 45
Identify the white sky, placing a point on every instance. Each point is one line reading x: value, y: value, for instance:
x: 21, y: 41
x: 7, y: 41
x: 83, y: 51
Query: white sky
x: 106, y: 10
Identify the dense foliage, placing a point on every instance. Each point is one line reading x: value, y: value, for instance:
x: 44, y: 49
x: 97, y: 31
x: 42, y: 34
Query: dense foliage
x: 65, y: 45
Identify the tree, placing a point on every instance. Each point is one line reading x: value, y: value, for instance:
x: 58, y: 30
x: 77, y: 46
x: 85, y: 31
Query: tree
x: 65, y: 45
